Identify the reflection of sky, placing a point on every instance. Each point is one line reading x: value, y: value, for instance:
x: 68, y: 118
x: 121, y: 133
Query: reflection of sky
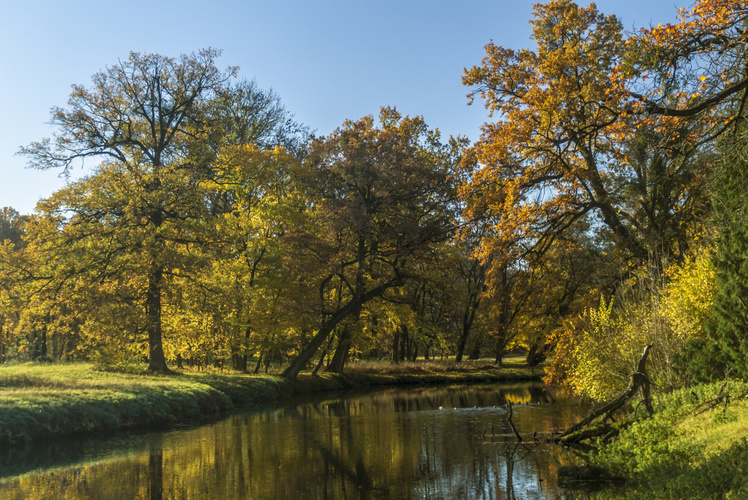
x: 422, y: 443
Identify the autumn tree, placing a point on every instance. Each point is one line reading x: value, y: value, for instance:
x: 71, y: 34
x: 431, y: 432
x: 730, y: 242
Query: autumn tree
x: 243, y: 287
x: 693, y: 68
x: 377, y: 198
x: 249, y: 200
x: 696, y: 71
x: 469, y: 274
x: 252, y: 115
x: 559, y: 151
x: 11, y: 242
x: 145, y: 120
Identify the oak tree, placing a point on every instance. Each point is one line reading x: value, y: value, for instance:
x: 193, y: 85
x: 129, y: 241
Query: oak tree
x: 377, y: 197
x: 563, y: 149
x: 145, y: 119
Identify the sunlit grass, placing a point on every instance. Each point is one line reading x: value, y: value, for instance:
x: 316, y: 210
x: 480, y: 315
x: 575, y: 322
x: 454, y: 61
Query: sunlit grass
x: 684, y: 451
x: 514, y: 364
x: 38, y: 400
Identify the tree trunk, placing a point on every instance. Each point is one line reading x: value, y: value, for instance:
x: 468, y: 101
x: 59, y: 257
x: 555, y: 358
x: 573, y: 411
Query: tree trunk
x: 328, y: 326
x: 341, y: 353
x: 405, y: 343
x: 396, y: 347
x: 156, y: 358
x: 461, y: 346
x: 468, y: 318
x: 321, y: 360
x: 535, y: 355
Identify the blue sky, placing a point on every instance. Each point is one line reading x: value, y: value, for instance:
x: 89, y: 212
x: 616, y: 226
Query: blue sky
x: 328, y: 60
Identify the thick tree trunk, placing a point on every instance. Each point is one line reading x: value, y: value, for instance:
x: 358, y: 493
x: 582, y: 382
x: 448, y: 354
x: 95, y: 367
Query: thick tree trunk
x: 535, y: 355
x: 341, y: 353
x: 405, y: 343
x: 156, y: 358
x: 461, y: 345
x: 396, y: 347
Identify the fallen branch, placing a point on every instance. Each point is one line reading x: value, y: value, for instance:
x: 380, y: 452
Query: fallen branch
x: 606, y: 431
x: 639, y: 380
x: 713, y: 403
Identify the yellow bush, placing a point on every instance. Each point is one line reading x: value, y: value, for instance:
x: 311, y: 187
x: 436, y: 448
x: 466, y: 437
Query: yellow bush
x: 665, y: 312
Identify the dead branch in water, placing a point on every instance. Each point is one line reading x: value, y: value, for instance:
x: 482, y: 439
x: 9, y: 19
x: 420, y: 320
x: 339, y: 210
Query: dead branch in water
x: 639, y: 380
x: 511, y: 424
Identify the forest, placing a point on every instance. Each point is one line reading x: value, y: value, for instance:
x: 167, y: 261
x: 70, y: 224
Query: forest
x: 603, y: 208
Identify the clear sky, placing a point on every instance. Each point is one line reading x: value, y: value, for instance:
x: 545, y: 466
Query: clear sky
x: 328, y: 60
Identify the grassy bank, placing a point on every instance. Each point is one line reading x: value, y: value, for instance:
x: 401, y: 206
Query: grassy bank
x: 41, y: 401
x: 696, y: 446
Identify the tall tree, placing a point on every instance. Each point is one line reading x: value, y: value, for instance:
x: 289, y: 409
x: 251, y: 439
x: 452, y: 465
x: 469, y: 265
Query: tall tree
x: 559, y: 150
x: 730, y: 314
x: 696, y: 70
x: 378, y: 197
x: 145, y: 118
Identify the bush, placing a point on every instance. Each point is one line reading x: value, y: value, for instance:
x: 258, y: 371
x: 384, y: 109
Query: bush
x: 669, y: 311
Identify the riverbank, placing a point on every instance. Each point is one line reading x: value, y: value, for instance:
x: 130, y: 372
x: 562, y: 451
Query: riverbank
x: 51, y: 400
x: 695, y: 446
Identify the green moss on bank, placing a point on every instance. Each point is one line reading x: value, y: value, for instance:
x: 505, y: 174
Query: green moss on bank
x: 684, y: 452
x: 40, y: 401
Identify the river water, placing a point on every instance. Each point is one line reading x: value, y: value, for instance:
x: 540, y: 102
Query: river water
x: 425, y: 443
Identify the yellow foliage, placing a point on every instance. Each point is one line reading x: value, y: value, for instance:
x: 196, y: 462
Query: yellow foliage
x: 666, y: 314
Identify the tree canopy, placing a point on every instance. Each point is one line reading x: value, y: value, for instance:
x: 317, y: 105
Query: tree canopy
x: 602, y: 200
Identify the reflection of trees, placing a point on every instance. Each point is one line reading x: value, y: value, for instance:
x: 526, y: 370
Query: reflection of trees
x: 357, y: 475
x: 390, y: 444
x: 509, y: 457
x: 156, y: 474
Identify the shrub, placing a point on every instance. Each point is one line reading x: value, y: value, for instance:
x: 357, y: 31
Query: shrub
x: 669, y: 311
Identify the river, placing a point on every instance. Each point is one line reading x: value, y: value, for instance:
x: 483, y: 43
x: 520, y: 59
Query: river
x: 424, y: 443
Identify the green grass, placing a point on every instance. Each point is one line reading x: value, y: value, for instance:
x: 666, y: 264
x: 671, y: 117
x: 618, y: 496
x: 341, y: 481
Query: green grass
x: 44, y: 400
x: 681, y: 453
x: 512, y: 365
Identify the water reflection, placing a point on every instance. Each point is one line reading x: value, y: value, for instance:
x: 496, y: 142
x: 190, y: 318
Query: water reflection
x: 426, y: 443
